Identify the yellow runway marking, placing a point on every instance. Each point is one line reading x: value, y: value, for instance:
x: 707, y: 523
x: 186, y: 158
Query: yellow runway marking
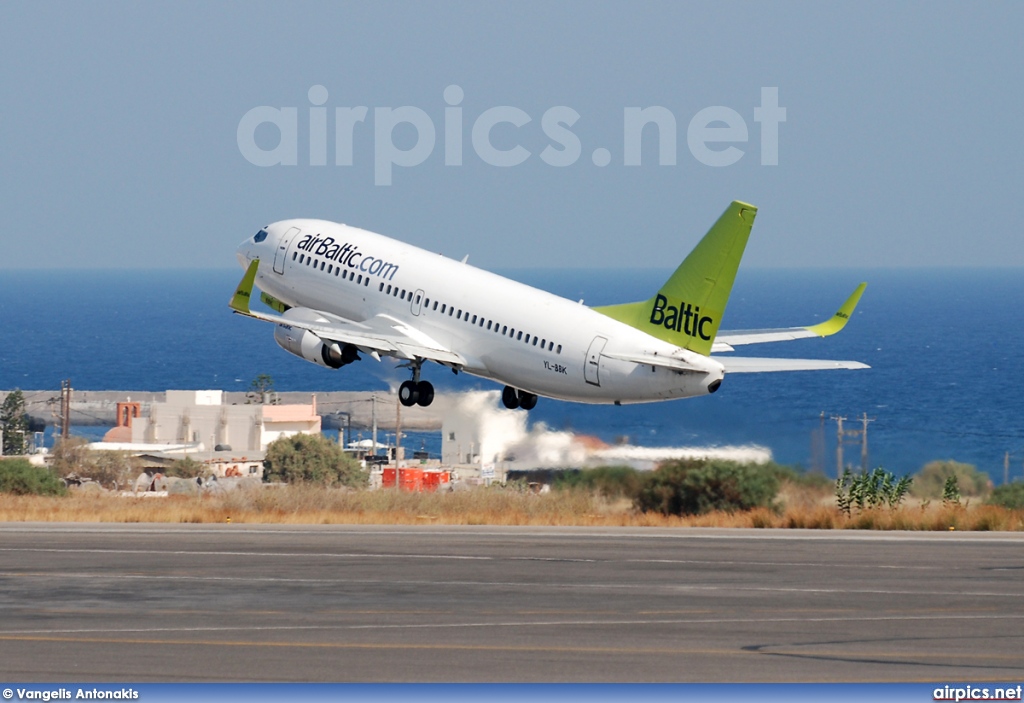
x: 376, y: 646
x: 816, y: 653
x: 855, y: 654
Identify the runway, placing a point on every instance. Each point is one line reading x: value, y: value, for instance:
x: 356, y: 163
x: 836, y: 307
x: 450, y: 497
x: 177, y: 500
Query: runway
x: 124, y: 603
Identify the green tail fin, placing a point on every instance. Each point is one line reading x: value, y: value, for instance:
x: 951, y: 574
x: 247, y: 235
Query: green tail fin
x: 688, y: 308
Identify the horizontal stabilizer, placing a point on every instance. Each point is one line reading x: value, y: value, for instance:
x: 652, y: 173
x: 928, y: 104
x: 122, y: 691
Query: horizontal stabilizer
x: 665, y: 362
x: 749, y: 364
x: 734, y: 338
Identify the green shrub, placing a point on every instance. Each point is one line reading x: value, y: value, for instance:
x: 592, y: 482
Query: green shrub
x: 608, y: 481
x: 930, y: 481
x: 870, y: 489
x: 109, y: 469
x: 19, y: 477
x: 70, y: 456
x: 186, y: 468
x: 694, y: 487
x: 308, y: 458
x: 800, y: 477
x: 112, y: 470
x: 1009, y: 495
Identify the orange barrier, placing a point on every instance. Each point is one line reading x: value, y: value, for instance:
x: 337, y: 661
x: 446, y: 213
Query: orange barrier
x: 415, y: 480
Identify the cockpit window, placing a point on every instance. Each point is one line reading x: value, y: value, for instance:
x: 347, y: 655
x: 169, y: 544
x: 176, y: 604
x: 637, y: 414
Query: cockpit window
x: 260, y: 236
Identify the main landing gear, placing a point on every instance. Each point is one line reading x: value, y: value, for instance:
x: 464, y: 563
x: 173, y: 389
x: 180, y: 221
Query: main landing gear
x: 416, y: 392
x: 512, y: 399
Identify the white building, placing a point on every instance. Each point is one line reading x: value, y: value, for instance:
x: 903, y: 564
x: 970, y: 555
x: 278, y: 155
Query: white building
x: 200, y: 419
x: 476, y: 434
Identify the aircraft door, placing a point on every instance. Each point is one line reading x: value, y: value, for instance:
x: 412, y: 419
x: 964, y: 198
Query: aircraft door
x: 282, y: 249
x: 592, y: 366
x: 417, y: 302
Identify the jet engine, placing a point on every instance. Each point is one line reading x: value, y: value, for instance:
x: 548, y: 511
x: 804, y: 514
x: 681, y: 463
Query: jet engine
x: 303, y: 343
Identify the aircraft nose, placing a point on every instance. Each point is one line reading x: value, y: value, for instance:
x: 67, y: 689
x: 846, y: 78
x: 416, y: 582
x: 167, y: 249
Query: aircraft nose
x: 250, y: 248
x: 244, y: 253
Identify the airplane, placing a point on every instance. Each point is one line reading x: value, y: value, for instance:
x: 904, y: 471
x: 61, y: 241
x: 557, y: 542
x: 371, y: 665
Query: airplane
x: 340, y: 292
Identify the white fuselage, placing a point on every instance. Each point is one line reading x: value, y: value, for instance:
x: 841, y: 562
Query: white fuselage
x: 506, y: 331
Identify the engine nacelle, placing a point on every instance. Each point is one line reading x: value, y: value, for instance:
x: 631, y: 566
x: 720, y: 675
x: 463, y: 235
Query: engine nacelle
x: 305, y: 344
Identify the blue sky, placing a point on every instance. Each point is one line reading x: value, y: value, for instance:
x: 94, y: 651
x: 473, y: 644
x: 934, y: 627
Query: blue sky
x: 901, y: 146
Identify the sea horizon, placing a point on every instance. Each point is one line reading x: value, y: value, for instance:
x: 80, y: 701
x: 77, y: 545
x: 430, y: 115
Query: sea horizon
x: 942, y: 344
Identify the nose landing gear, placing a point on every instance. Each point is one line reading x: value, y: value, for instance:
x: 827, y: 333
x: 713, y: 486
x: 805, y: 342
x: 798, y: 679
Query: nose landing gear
x: 512, y: 399
x: 416, y: 392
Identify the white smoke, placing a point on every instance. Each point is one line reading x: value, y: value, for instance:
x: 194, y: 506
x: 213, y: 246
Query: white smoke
x: 477, y: 430
x: 649, y: 457
x: 544, y: 448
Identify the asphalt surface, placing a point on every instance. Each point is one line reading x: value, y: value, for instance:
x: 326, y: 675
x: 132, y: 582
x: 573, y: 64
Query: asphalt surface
x: 245, y: 603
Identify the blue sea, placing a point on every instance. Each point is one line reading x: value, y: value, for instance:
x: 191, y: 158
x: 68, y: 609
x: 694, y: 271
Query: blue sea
x: 947, y: 376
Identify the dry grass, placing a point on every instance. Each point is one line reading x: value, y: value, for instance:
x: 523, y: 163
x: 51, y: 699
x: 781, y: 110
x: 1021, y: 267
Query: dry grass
x: 798, y: 508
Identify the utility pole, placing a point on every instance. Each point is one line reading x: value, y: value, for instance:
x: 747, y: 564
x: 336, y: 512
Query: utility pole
x: 839, y: 445
x: 65, y: 409
x: 1006, y: 468
x: 398, y: 432
x: 864, y: 442
x: 373, y: 399
x: 844, y: 436
x: 344, y: 431
x: 818, y: 445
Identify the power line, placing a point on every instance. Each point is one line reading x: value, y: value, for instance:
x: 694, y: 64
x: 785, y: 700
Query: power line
x: 844, y: 437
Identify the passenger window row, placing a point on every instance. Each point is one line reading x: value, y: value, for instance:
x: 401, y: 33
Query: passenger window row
x: 465, y: 316
x: 331, y: 269
x: 434, y: 306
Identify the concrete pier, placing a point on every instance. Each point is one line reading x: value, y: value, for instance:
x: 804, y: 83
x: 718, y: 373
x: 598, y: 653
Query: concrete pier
x: 335, y: 407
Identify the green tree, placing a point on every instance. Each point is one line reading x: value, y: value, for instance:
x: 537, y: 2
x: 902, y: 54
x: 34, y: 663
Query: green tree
x: 693, y: 487
x: 14, y: 423
x: 260, y: 386
x: 19, y: 477
x: 951, y: 491
x: 312, y: 458
x: 930, y: 481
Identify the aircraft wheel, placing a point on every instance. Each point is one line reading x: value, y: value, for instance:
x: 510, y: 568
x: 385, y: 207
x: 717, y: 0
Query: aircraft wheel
x: 510, y: 397
x: 527, y: 401
x: 408, y: 394
x: 425, y: 390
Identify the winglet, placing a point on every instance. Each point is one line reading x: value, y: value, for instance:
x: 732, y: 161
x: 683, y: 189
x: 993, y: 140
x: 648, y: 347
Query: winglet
x: 240, y: 300
x: 842, y: 316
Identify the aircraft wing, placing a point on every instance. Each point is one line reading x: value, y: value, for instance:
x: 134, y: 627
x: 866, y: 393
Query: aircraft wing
x: 727, y: 339
x: 380, y: 335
